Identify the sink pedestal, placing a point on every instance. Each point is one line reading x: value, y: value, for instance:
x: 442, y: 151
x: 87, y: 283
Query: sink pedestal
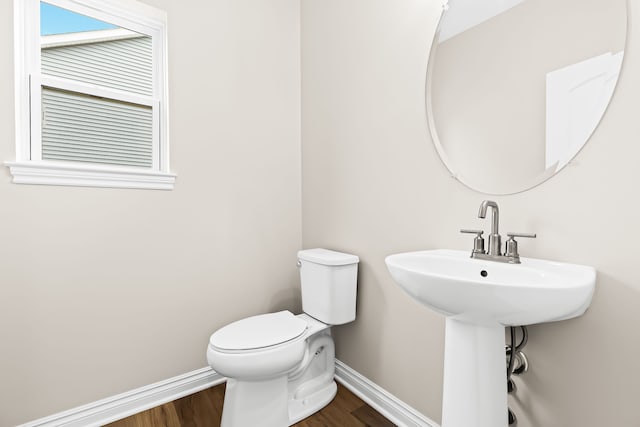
x: 478, y: 297
x: 475, y: 375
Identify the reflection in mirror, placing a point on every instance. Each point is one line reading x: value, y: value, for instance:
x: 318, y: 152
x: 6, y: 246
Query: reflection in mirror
x: 515, y: 88
x: 78, y: 55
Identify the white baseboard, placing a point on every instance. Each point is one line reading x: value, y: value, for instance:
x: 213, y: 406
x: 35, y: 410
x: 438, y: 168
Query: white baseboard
x: 123, y: 405
x: 381, y: 400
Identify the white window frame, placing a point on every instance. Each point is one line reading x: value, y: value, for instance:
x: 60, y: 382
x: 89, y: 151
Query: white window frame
x: 29, y: 167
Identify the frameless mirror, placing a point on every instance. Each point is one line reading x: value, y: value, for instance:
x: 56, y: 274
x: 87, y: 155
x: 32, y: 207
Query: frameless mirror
x: 515, y: 88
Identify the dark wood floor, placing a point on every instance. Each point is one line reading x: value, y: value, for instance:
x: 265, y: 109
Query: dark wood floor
x: 204, y: 409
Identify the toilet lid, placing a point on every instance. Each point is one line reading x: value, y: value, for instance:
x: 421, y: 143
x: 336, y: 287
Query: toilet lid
x: 260, y: 331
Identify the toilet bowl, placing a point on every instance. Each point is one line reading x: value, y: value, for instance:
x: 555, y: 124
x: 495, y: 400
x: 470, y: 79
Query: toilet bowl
x: 258, y: 347
x: 280, y: 383
x: 280, y: 366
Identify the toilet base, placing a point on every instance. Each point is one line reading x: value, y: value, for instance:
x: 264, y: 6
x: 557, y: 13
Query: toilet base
x: 268, y: 409
x: 300, y: 409
x: 253, y: 403
x: 286, y: 399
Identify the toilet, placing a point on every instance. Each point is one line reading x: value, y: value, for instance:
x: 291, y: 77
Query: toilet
x: 280, y: 366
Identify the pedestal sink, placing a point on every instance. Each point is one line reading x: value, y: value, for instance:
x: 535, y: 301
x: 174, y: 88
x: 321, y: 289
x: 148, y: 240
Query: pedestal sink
x: 479, y: 298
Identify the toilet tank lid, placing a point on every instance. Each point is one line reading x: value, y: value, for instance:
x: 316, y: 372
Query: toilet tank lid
x: 327, y: 257
x: 260, y: 331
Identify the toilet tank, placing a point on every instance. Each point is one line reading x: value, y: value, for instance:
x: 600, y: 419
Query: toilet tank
x: 329, y: 283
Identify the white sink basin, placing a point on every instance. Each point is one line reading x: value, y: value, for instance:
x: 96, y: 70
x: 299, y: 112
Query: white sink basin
x: 479, y: 298
x: 477, y: 291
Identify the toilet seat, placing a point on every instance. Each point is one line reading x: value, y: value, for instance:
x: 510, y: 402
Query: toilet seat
x: 266, y: 346
x: 258, y: 332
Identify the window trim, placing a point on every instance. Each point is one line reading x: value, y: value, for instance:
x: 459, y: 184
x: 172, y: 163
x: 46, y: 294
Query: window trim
x: 29, y: 168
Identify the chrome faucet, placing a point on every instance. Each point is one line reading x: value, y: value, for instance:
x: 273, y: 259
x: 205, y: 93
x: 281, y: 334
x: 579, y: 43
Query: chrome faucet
x: 494, y: 252
x: 494, y: 238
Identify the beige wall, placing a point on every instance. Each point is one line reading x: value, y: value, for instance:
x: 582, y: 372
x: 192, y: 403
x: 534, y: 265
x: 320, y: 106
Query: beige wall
x: 373, y: 185
x: 107, y: 290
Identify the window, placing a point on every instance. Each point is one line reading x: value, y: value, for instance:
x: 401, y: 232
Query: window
x: 91, y: 94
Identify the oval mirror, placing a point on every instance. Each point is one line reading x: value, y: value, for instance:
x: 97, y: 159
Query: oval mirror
x: 515, y: 88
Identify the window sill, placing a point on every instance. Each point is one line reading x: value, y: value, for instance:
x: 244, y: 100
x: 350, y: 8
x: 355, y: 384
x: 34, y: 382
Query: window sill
x: 45, y: 173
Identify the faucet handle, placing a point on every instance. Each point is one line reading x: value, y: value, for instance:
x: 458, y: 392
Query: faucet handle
x: 478, y: 242
x: 478, y: 232
x: 511, y: 246
x: 529, y: 235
